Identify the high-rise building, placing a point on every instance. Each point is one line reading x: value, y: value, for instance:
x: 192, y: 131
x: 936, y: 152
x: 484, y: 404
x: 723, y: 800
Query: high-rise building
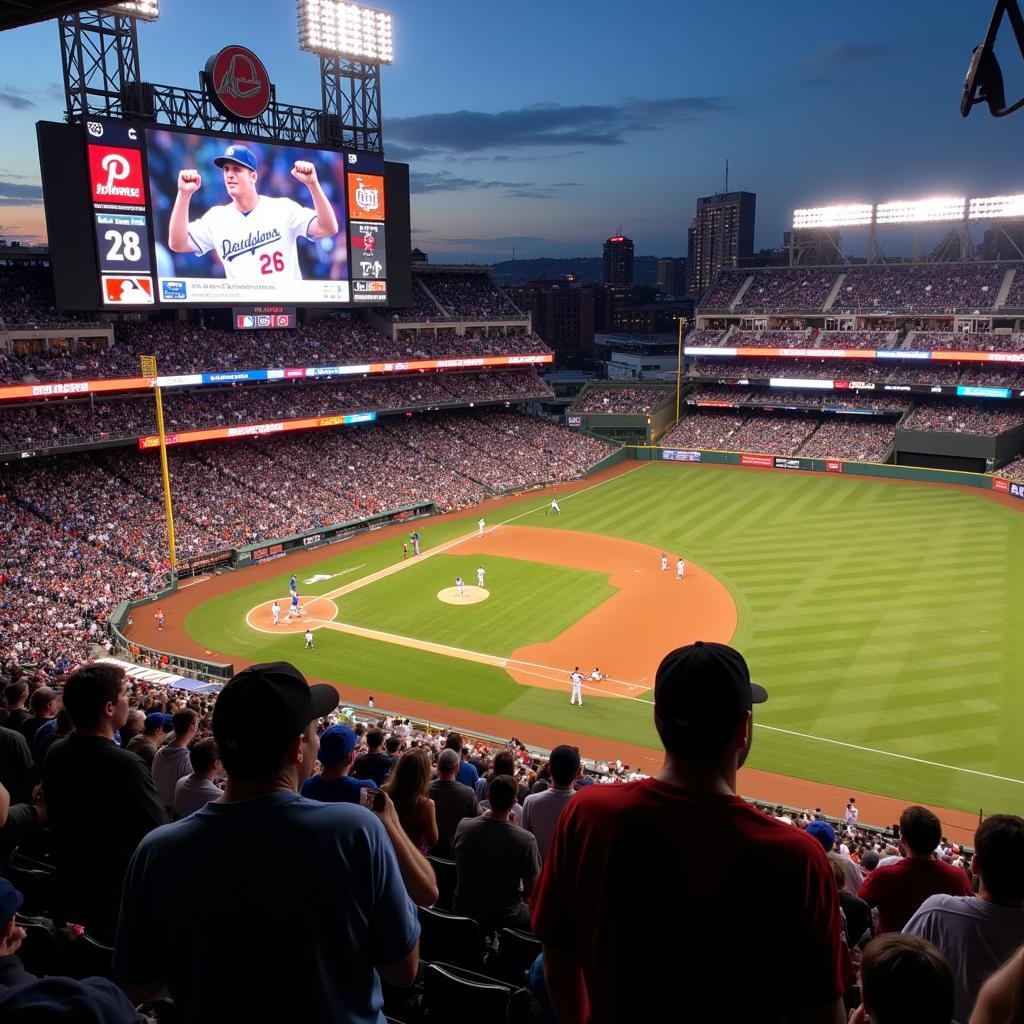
x: 563, y: 315
x: 671, y: 277
x: 722, y: 233
x: 618, y: 262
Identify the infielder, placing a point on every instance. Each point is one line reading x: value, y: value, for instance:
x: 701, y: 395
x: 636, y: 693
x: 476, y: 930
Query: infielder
x: 254, y: 236
x: 480, y: 577
x: 596, y: 675
x: 664, y: 562
x: 480, y: 527
x: 554, y: 507
x: 309, y: 639
x: 460, y: 586
x: 577, y: 686
x: 415, y: 538
x: 275, y: 610
x: 680, y: 568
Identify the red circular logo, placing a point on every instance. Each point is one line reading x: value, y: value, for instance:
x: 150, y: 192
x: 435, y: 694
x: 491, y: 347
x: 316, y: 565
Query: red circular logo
x: 238, y: 83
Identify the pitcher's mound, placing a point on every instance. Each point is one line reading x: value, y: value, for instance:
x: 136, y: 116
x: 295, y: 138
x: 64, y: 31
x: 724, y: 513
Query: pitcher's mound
x: 316, y: 610
x: 472, y: 595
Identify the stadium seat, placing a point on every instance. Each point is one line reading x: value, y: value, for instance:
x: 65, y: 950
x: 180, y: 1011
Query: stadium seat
x: 517, y: 950
x: 447, y: 876
x: 450, y: 994
x: 451, y: 939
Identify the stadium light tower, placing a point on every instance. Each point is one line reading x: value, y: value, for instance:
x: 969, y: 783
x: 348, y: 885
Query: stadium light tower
x: 141, y: 10
x: 352, y: 43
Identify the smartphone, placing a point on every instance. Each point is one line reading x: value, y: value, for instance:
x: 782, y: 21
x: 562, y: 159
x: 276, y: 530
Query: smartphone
x: 372, y: 797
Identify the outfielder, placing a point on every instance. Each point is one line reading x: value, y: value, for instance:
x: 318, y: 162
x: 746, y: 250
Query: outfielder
x: 576, y: 676
x: 480, y: 577
x: 460, y: 586
x: 554, y: 507
x: 254, y: 236
x: 275, y: 610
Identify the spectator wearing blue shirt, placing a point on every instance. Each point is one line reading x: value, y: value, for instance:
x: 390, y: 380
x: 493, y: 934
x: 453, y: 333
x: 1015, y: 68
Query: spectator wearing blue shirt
x: 334, y: 785
x: 467, y: 773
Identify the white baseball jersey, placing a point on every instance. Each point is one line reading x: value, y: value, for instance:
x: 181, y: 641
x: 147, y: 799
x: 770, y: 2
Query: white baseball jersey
x: 255, y: 245
x: 479, y: 577
x: 276, y: 609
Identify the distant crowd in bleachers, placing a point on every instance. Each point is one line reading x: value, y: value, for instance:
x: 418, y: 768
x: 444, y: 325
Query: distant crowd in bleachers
x: 625, y: 400
x: 471, y: 296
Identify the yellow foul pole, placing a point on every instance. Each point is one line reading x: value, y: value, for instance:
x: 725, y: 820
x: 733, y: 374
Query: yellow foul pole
x: 149, y: 370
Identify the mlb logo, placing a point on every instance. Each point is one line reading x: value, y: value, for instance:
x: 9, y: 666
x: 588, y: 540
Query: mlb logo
x: 246, y: 322
x: 128, y: 291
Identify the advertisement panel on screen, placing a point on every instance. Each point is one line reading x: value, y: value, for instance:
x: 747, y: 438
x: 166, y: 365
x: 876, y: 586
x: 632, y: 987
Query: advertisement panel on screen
x: 183, y: 218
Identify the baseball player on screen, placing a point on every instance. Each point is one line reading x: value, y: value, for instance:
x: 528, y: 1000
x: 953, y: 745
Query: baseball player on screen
x: 254, y: 236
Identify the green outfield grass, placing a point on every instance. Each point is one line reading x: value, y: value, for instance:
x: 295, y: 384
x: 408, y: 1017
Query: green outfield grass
x: 884, y: 619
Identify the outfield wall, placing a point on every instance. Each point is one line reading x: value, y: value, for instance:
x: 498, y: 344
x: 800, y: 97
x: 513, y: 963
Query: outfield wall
x: 981, y: 481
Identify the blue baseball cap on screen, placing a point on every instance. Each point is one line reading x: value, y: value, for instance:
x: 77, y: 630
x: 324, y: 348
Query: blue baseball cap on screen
x: 239, y: 155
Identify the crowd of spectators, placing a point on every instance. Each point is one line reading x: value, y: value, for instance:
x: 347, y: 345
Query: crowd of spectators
x: 772, y: 339
x: 919, y: 287
x: 855, y: 339
x: 803, y: 398
x: 779, y: 291
x: 64, y: 421
x: 1012, y: 470
x: 963, y: 417
x: 705, y: 430
x: 596, y: 398
x: 962, y: 341
x: 423, y: 308
x: 471, y: 296
x: 859, y: 439
x: 723, y: 290
x: 26, y: 299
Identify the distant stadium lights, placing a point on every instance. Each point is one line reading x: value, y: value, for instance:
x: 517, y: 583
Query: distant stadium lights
x: 995, y: 207
x: 141, y: 10
x: 833, y: 216
x: 333, y: 28
x: 919, y: 211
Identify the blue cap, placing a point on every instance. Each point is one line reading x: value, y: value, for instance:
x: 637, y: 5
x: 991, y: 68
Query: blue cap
x: 239, y: 155
x: 336, y: 744
x: 823, y: 832
x: 155, y: 720
x: 10, y: 901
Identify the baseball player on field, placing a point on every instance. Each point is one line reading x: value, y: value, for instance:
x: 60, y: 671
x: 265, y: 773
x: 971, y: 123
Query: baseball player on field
x: 293, y: 585
x: 480, y: 577
x: 309, y: 639
x: 294, y: 611
x: 253, y: 236
x: 576, y: 677
x: 554, y: 507
x: 664, y: 562
x: 460, y: 586
x: 275, y: 610
x: 480, y: 528
x: 680, y: 568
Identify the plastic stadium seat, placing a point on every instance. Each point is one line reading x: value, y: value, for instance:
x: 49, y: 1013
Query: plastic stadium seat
x: 517, y: 950
x: 451, y: 939
x: 447, y: 876
x: 450, y: 994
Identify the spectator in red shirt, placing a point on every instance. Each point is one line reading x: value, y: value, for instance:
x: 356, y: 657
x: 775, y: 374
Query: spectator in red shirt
x: 620, y: 849
x: 897, y: 890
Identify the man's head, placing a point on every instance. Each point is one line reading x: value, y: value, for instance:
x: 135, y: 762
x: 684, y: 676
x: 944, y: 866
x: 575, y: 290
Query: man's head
x: 264, y: 721
x: 337, y: 746
x: 564, y: 765
x: 44, y: 702
x: 999, y: 858
x: 240, y: 170
x: 97, y: 696
x: 392, y: 744
x: 136, y: 720
x: 904, y: 978
x: 501, y: 793
x: 447, y: 764
x: 205, y: 756
x: 702, y: 702
x: 374, y: 740
x: 157, y: 725
x: 920, y: 830
x: 15, y: 694
x: 454, y: 742
x: 185, y: 724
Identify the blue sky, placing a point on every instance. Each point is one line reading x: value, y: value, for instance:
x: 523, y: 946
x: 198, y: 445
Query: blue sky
x: 546, y: 127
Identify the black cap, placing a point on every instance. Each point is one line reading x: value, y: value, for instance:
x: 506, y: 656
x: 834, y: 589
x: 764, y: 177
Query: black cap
x: 700, y: 693
x: 264, y: 707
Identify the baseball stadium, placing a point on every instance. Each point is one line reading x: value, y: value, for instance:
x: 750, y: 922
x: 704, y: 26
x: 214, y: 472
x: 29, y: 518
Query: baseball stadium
x: 230, y: 441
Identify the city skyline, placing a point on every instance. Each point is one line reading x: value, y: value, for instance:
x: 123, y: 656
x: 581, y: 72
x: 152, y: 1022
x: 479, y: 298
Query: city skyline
x: 546, y: 133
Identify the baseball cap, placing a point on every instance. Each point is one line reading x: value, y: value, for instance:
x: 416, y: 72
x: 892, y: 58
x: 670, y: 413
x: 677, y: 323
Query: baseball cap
x: 264, y: 707
x: 240, y: 155
x: 155, y: 720
x: 823, y: 832
x: 10, y: 901
x: 336, y: 744
x: 700, y: 693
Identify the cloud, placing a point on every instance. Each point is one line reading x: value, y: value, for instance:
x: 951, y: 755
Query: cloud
x: 12, y: 194
x: 544, y: 125
x: 14, y: 99
x: 426, y: 182
x: 826, y: 65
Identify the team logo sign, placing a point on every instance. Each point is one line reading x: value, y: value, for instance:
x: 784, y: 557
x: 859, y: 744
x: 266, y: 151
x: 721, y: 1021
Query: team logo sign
x: 238, y: 83
x: 116, y: 176
x: 366, y: 196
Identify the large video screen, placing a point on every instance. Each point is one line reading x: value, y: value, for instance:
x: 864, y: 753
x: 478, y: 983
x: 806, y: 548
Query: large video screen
x: 185, y: 219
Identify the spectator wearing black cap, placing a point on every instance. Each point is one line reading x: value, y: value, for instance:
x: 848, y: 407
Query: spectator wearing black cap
x: 309, y: 905
x: 977, y: 934
x: 336, y: 754
x: 898, y: 889
x: 100, y: 799
x: 12, y: 970
x: 619, y: 848
x: 541, y: 811
x: 154, y: 732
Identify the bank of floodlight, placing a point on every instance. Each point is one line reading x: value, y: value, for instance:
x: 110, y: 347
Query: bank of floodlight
x: 921, y: 211
x: 333, y: 28
x: 995, y: 207
x: 833, y: 216
x: 140, y: 10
